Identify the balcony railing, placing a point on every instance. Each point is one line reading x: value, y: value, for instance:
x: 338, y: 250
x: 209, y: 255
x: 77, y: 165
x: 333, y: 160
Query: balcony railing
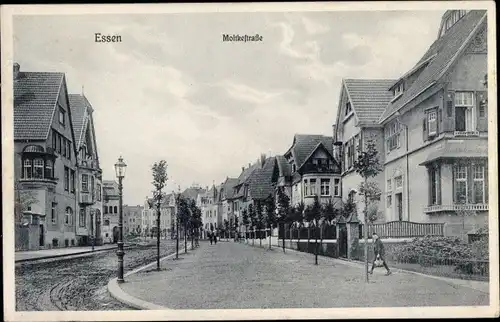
x: 456, y: 207
x: 466, y: 133
x: 323, y: 168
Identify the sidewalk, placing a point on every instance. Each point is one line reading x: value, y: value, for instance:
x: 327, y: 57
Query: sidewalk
x: 59, y: 252
x: 237, y: 276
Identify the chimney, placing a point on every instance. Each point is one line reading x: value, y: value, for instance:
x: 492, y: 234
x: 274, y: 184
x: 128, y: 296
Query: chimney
x: 242, y: 169
x: 334, y: 130
x: 17, y: 67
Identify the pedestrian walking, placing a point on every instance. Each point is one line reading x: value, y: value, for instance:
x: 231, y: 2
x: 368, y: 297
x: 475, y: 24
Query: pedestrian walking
x: 210, y: 236
x: 215, y: 238
x: 379, y: 251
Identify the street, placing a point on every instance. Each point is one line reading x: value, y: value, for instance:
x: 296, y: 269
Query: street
x: 78, y: 283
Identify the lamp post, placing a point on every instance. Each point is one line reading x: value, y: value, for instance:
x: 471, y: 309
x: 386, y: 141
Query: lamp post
x: 120, y: 168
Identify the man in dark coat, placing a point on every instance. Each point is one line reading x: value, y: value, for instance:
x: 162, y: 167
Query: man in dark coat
x: 378, y: 249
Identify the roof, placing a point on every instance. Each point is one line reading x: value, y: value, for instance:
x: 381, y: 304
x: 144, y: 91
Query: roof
x: 227, y: 188
x: 305, y: 144
x: 261, y: 182
x: 110, y: 188
x: 78, y: 104
x: 369, y: 97
x: 458, y: 149
x: 445, y: 49
x: 35, y: 98
x: 192, y: 193
x: 284, y: 167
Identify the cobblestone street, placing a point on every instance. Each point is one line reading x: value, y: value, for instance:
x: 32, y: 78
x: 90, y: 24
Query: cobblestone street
x: 232, y: 275
x: 77, y: 283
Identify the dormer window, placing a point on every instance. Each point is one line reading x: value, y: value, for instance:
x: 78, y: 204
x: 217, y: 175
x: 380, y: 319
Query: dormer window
x: 398, y: 90
x: 452, y: 20
x: 348, y: 109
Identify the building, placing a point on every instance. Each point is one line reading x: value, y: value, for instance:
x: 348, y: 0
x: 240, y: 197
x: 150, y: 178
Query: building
x: 89, y: 173
x: 312, y: 170
x: 239, y: 198
x: 226, y: 194
x: 45, y: 161
x: 212, y: 221
x: 132, y: 220
x: 111, y: 200
x: 149, y: 217
x: 432, y: 134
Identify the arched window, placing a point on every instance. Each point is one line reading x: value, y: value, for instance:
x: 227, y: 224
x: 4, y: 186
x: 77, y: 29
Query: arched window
x: 49, y: 169
x: 116, y: 210
x: 68, y: 217
x: 28, y: 170
x: 38, y: 168
x: 105, y: 209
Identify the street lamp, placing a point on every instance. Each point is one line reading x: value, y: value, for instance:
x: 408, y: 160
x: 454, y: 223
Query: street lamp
x: 120, y: 168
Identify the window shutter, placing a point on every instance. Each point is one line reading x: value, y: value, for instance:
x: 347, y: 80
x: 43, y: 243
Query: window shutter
x: 449, y: 114
x: 482, y: 110
x: 424, y: 129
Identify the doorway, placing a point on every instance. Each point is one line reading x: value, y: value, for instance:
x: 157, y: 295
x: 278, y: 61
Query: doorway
x: 42, y: 236
x: 115, y: 234
x: 399, y: 206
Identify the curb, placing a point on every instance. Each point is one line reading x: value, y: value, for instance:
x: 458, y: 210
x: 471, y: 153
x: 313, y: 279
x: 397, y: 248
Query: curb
x: 66, y: 255
x: 120, y: 295
x: 454, y: 281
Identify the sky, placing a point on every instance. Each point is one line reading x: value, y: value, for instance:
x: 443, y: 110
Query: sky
x: 173, y: 90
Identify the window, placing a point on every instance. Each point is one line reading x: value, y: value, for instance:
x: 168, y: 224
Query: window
x: 83, y: 217
x: 28, y: 170
x: 294, y: 168
x: 482, y: 107
x: 432, y: 122
x: 336, y: 187
x: 389, y: 185
x: 61, y: 115
x: 392, y: 135
x: 115, y: 208
x: 38, y: 168
x: 325, y: 187
x: 98, y: 192
x: 478, y: 178
x: 348, y: 109
x: 68, y: 216
x: 464, y: 111
x: 398, y: 90
x: 312, y: 187
x: 64, y: 146
x: 49, y: 169
x: 59, y: 143
x: 398, y: 182
x: 92, y: 185
x: 306, y: 187
x: 66, y: 178
x: 85, y: 183
x: 389, y: 201
x: 461, y: 190
x: 54, y: 140
x: 53, y: 216
x: 72, y: 181
x: 435, y: 192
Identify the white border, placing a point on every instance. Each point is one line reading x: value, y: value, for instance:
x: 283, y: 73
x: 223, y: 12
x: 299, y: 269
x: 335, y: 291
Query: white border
x: 7, y: 166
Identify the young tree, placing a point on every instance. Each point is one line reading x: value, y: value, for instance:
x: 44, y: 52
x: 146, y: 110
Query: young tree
x: 246, y: 222
x: 253, y: 220
x: 284, y: 212
x: 270, y: 206
x: 194, y: 220
x: 298, y: 217
x: 328, y: 213
x: 313, y: 215
x: 367, y: 166
x: 260, y: 220
x: 159, y: 170
x: 181, y: 218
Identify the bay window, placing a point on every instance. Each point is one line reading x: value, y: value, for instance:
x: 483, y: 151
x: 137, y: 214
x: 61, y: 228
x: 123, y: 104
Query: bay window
x: 38, y: 168
x: 85, y: 183
x: 464, y: 111
x: 312, y: 187
x: 28, y: 170
x: 306, y: 187
x: 478, y: 181
x: 49, y: 169
x: 435, y: 186
x: 461, y: 189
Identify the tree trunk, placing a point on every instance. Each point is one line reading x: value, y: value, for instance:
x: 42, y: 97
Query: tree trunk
x: 270, y: 233
x: 321, y: 231
x: 185, y: 239
x: 298, y: 237
x: 365, y: 233
x: 177, y: 242
x: 316, y: 244
x: 158, y: 238
x: 284, y: 232
x: 308, y: 236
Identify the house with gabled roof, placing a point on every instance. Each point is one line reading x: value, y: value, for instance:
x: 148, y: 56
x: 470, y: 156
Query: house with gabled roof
x: 45, y: 158
x: 149, y: 217
x: 89, y: 172
x: 311, y: 171
x: 226, y: 194
x: 433, y: 131
x: 110, y: 209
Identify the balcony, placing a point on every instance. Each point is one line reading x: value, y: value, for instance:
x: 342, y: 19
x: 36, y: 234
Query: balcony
x: 318, y: 168
x: 465, y: 133
x: 33, y: 180
x: 456, y: 207
x: 86, y: 198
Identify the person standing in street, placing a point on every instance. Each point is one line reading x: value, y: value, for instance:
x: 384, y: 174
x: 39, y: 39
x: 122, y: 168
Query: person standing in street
x: 210, y: 236
x: 378, y: 249
x: 215, y: 237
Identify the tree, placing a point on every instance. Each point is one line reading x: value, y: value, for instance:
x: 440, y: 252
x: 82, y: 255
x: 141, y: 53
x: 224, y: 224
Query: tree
x: 270, y: 206
x: 159, y: 181
x: 236, y: 226
x: 328, y: 214
x: 298, y: 218
x: 367, y: 166
x: 246, y: 222
x: 253, y: 220
x: 194, y: 220
x: 313, y: 215
x: 260, y: 219
x: 284, y: 213
x: 181, y: 218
